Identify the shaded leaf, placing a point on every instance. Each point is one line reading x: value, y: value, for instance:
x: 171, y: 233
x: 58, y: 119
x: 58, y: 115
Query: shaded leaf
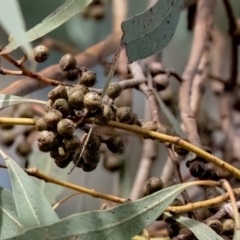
x: 171, y: 118
x: 149, y: 32
x: 9, y: 222
x: 45, y: 163
x: 62, y: 14
x: 121, y: 222
x: 8, y: 100
x: 200, y: 230
x: 12, y: 21
x: 33, y: 208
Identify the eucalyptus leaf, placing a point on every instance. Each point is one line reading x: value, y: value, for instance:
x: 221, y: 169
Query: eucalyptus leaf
x: 12, y: 21
x: 122, y: 222
x: 8, y: 100
x: 200, y: 230
x: 9, y: 222
x: 62, y: 14
x: 171, y: 118
x: 33, y: 208
x: 45, y: 163
x: 149, y: 32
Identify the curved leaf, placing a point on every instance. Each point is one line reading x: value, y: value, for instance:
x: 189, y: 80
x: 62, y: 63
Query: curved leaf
x: 33, y: 208
x: 62, y: 14
x: 8, y: 100
x: 148, y: 33
x: 9, y: 222
x: 45, y: 163
x: 12, y: 21
x: 200, y: 230
x: 122, y: 222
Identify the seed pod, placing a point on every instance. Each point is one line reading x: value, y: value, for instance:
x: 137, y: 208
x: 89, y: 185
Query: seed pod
x: 71, y: 143
x: 6, y: 126
x: 105, y: 114
x: 58, y: 92
x: 88, y: 78
x: 92, y: 101
x: 59, y: 153
x: 150, y: 125
x: 72, y: 75
x: 52, y: 118
x: 63, y: 163
x: 152, y: 185
x: 197, y: 169
x: 88, y: 167
x: 114, y: 90
x: 40, y: 53
x: 161, y: 81
x: 78, y: 87
x: 78, y: 162
x: 180, y: 151
x: 26, y: 113
x: 115, y: 144
x: 90, y: 157
x: 48, y: 105
x: 215, y: 225
x: 207, y: 149
x: 228, y: 225
x: 112, y: 162
x: 94, y: 142
x: 169, y: 184
x: 41, y: 124
x: 76, y: 100
x: 186, y: 234
x: 62, y: 106
x: 68, y: 62
x: 7, y: 138
x: 24, y: 148
x: 66, y: 127
x: 124, y: 115
x: 46, y: 141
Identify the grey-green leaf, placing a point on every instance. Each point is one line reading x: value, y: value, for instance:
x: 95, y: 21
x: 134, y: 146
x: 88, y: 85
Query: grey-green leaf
x: 8, y: 100
x: 122, y: 222
x: 62, y: 14
x: 200, y: 230
x: 45, y: 163
x: 149, y: 32
x: 9, y: 222
x: 171, y: 118
x: 12, y: 21
x: 33, y: 208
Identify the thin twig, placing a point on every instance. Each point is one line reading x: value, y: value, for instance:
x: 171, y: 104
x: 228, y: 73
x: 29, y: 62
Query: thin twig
x: 64, y: 200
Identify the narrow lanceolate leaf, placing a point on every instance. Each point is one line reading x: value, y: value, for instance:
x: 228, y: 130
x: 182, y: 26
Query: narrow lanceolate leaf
x: 171, y: 118
x: 45, y: 163
x: 149, y: 32
x: 8, y: 100
x: 12, y: 21
x: 32, y: 207
x: 122, y: 222
x: 10, y: 225
x: 200, y: 230
x: 62, y: 14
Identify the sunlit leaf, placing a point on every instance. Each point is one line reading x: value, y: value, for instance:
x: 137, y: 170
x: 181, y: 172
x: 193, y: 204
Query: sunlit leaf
x: 33, y: 208
x: 171, y: 118
x: 45, y: 163
x: 9, y: 222
x: 122, y: 222
x: 8, y: 100
x: 12, y: 21
x: 149, y: 32
x: 62, y: 14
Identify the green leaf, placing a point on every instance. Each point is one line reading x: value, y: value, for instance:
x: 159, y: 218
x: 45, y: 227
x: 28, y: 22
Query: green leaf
x: 33, y: 208
x: 45, y: 163
x: 171, y: 118
x: 121, y: 222
x: 9, y: 222
x: 149, y: 32
x: 8, y: 100
x: 12, y: 21
x: 62, y: 14
x: 200, y: 230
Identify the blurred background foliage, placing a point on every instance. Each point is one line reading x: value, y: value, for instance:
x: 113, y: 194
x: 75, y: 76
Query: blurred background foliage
x: 82, y: 33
